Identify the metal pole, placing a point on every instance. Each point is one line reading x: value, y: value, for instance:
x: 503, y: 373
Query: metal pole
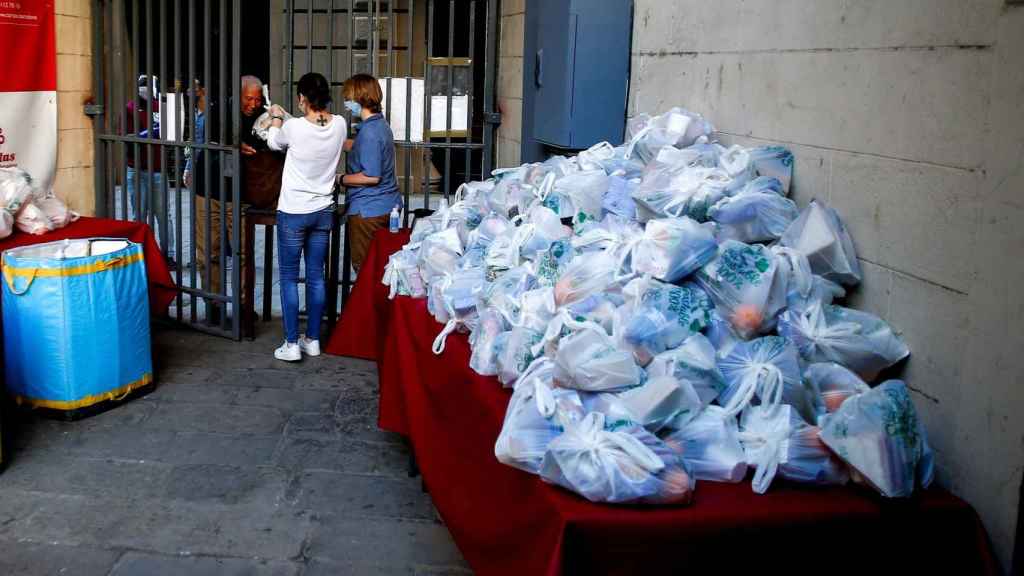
x: 428, y: 100
x: 211, y: 114
x: 195, y: 152
x: 469, y: 90
x: 448, y: 101
x: 223, y: 32
x: 178, y: 223
x: 410, y: 42
x: 490, y: 63
x: 236, y: 197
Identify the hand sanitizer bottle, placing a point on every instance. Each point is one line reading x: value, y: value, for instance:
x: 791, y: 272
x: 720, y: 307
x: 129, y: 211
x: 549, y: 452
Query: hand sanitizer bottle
x: 393, y: 221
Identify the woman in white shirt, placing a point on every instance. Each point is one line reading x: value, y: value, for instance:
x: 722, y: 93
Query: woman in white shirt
x: 305, y: 210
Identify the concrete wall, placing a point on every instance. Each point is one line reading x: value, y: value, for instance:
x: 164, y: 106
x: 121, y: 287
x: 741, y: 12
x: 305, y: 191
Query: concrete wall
x: 510, y: 82
x: 907, y: 117
x: 74, y: 181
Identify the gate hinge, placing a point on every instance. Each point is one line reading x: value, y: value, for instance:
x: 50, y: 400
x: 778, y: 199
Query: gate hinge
x: 93, y: 109
x: 492, y: 117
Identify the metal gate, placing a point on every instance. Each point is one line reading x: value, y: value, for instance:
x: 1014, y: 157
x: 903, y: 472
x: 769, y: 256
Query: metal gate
x: 437, y: 63
x: 150, y: 59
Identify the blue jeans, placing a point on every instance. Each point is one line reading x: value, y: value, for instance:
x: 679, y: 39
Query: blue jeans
x: 154, y: 203
x: 297, y: 233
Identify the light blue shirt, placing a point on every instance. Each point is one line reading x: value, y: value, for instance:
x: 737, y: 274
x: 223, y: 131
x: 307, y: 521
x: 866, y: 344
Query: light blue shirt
x: 373, y: 154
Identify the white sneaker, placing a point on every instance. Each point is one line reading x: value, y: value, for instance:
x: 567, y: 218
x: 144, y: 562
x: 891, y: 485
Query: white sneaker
x: 309, y: 347
x: 288, y: 352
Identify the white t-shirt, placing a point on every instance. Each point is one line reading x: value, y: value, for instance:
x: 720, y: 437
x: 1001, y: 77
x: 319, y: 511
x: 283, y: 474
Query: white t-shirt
x: 311, y: 164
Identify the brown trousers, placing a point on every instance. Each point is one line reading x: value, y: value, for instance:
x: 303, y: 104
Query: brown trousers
x: 360, y: 234
x: 213, y: 243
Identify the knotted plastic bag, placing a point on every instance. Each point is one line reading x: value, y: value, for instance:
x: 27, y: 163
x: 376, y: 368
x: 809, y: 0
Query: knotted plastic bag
x: 56, y: 210
x: 15, y: 189
x: 517, y: 354
x: 535, y: 416
x: 585, y: 190
x: 739, y: 281
x: 504, y: 293
x: 753, y: 217
x: 624, y: 465
x: 660, y: 402
x: 680, y: 190
x: 439, y: 254
x: 694, y: 362
x: 710, y: 445
x: 767, y: 370
x: 673, y: 248
x: 665, y: 316
x: 550, y: 264
x: 588, y: 273
x: 484, y: 358
x: 834, y: 383
x: 402, y: 275
x: 862, y: 342
x: 880, y: 436
x: 619, y: 197
x: 776, y: 440
x: 676, y: 128
x: 540, y: 229
x: 261, y: 127
x: 589, y: 359
x: 821, y: 236
x: 32, y: 220
x: 536, y: 309
x: 458, y: 295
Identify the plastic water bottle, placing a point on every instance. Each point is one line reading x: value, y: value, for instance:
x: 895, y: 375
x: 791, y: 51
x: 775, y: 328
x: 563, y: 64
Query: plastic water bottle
x: 393, y: 224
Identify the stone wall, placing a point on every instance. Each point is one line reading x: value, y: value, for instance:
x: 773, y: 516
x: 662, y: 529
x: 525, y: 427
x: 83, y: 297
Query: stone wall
x: 74, y: 182
x: 510, y: 82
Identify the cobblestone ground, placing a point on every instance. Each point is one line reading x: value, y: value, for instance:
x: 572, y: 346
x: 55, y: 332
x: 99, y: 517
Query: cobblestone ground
x: 236, y: 464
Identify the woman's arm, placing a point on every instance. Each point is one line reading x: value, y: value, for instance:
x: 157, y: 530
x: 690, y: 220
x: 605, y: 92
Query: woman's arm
x: 359, y: 179
x: 277, y: 140
x: 347, y: 146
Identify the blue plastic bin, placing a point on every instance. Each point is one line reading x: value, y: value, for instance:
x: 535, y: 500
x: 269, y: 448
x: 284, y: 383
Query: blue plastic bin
x: 76, y: 322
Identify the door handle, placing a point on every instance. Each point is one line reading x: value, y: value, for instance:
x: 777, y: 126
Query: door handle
x: 538, y: 69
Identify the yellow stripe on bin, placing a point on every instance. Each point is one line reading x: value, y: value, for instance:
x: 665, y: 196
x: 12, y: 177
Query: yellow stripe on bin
x: 99, y: 266
x: 115, y: 394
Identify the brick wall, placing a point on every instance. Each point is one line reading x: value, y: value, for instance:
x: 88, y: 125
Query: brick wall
x: 74, y: 181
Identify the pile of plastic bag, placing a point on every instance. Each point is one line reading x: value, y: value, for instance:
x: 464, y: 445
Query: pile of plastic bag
x: 28, y: 208
x: 666, y: 314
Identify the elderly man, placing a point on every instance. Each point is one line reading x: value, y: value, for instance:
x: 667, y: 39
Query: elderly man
x: 208, y: 199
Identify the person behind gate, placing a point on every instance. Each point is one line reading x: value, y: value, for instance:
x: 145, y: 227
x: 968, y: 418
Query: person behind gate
x: 305, y: 209
x: 372, y: 188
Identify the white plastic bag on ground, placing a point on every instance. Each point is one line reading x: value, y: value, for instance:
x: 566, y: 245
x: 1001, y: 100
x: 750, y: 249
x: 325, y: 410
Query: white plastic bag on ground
x: 821, y: 236
x: 619, y: 197
x: 541, y: 228
x: 880, y: 436
x: 535, y: 416
x: 552, y: 263
x: 834, y: 383
x: 673, y: 248
x: 665, y: 316
x: 739, y: 280
x: 766, y: 369
x: 860, y: 341
x: 710, y: 445
x: 484, y: 358
x: 753, y: 217
x: 589, y: 359
x: 676, y: 128
x: 778, y: 441
x: 621, y: 466
x: 660, y: 401
x: 694, y: 362
x: 775, y: 162
x: 593, y: 158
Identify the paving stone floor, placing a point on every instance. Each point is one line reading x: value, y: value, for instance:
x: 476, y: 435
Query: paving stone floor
x: 236, y: 464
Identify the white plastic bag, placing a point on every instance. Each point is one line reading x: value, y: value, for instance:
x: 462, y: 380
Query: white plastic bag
x: 739, y: 280
x: 660, y: 402
x: 765, y: 369
x: 516, y: 354
x: 15, y: 189
x: 439, y: 254
x: 402, y: 275
x: 536, y: 308
x: 710, y: 445
x: 32, y: 220
x: 857, y: 340
x: 753, y: 217
x: 594, y: 158
x: 880, y: 436
x: 540, y: 229
x: 778, y: 441
x: 665, y: 316
x: 6, y: 223
x: 619, y: 197
x: 680, y: 191
x: 694, y: 362
x: 673, y: 248
x: 504, y: 293
x: 483, y: 340
x: 617, y: 466
x: 775, y: 162
x: 834, y: 383
x: 535, y: 416
x: 588, y: 273
x: 552, y: 263
x: 586, y: 192
x: 677, y: 128
x: 57, y: 212
x: 821, y: 236
x: 458, y: 294
x: 588, y: 359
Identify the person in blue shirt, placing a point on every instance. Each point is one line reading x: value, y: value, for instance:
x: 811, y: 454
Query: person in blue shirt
x: 370, y: 178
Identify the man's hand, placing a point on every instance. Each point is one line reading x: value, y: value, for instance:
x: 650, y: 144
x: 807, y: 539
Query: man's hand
x: 187, y: 178
x: 276, y: 110
x: 248, y: 150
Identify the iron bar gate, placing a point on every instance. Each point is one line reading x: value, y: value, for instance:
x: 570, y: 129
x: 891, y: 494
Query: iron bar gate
x: 437, y: 63
x: 153, y: 62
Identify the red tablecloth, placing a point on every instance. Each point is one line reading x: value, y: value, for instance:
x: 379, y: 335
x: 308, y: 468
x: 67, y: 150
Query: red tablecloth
x: 509, y: 522
x: 162, y: 290
x: 360, y: 331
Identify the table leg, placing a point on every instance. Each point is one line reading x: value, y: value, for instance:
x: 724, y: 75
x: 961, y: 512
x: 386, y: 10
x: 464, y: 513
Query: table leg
x: 249, y: 298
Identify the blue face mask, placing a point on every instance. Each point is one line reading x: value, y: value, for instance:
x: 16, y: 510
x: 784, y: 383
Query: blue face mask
x: 354, y: 107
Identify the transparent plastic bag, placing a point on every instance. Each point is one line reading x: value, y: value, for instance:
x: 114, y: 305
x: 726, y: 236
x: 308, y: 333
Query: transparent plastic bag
x: 517, y: 354
x: 439, y: 254
x: 535, y: 416
x: 665, y: 316
x: 710, y: 445
x: 767, y: 370
x: 880, y: 436
x: 57, y: 211
x: 834, y: 383
x: 550, y: 264
x: 32, y: 220
x: 458, y: 296
x: 6, y: 223
x: 586, y: 192
x: 619, y: 197
x: 589, y: 359
x: 504, y: 294
x: 16, y: 188
x: 774, y: 162
x: 739, y: 281
x: 680, y: 190
x: 820, y: 235
x: 484, y: 357
x: 776, y: 440
x: 753, y: 217
x: 588, y: 273
x: 694, y: 362
x: 541, y: 228
x: 857, y: 340
x: 595, y: 157
x: 625, y: 465
x: 675, y: 128
x: 661, y: 401
x: 402, y: 275
x: 673, y: 248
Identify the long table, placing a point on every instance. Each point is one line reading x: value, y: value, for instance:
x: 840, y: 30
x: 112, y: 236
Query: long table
x: 506, y: 521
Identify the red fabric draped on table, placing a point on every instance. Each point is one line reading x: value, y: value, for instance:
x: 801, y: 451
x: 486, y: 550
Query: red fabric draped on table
x: 506, y: 521
x: 162, y: 290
